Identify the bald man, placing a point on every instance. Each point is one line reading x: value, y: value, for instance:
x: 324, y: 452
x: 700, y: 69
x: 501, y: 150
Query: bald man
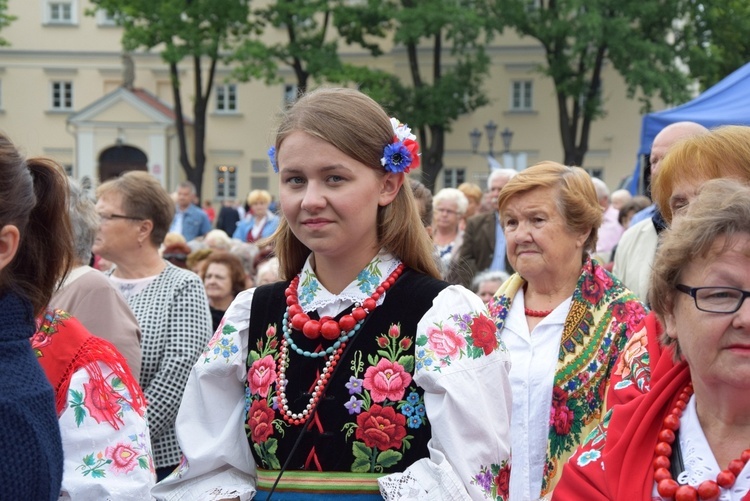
x: 637, y: 247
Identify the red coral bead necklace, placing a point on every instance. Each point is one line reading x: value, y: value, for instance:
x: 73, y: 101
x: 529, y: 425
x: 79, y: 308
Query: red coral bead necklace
x: 341, y: 331
x: 536, y: 313
x: 666, y: 486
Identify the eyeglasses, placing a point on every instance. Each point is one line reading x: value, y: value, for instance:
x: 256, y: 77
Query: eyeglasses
x: 715, y: 299
x: 109, y: 217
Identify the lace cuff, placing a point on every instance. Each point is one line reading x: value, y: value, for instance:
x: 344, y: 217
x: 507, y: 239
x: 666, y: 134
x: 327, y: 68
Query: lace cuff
x: 423, y: 481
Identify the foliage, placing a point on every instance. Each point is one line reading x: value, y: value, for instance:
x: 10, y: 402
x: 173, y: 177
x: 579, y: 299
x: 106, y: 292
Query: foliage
x: 313, y: 31
x: 641, y: 40
x: 444, y: 42
x: 196, y: 30
x: 5, y: 20
x: 722, y: 29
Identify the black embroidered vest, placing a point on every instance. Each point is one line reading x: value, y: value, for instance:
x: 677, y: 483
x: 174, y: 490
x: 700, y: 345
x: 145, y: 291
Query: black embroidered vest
x: 372, y: 418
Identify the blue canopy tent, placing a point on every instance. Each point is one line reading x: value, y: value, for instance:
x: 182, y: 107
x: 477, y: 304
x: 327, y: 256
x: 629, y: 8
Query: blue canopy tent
x: 726, y: 103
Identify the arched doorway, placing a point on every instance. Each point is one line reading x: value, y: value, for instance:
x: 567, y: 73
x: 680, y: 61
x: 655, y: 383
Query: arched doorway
x: 120, y: 158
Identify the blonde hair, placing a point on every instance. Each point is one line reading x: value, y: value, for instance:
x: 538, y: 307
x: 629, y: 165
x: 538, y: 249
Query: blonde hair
x: 576, y: 200
x: 472, y: 192
x: 723, y: 152
x: 360, y: 128
x: 258, y: 196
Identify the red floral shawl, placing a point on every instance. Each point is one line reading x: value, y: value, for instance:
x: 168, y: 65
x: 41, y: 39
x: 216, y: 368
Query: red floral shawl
x: 63, y: 346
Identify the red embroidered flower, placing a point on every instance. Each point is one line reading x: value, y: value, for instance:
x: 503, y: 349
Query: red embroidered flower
x: 405, y: 343
x: 445, y: 341
x: 592, y: 290
x: 502, y: 482
x: 483, y: 333
x: 124, y: 458
x: 559, y: 397
x: 261, y: 375
x: 394, y: 331
x: 386, y: 380
x: 383, y: 342
x: 630, y: 313
x: 260, y: 421
x: 381, y: 427
x: 562, y: 418
x: 101, y: 400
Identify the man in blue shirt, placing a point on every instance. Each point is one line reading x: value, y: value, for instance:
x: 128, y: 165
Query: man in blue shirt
x: 189, y: 219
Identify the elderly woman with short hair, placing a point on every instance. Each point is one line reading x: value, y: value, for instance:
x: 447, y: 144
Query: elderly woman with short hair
x: 449, y: 206
x: 88, y: 294
x: 169, y: 302
x: 689, y: 437
x: 260, y: 223
x: 562, y: 316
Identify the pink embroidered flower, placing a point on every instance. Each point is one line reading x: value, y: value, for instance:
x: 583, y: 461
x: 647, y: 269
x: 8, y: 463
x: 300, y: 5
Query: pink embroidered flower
x: 483, y: 333
x: 261, y: 375
x: 124, y: 458
x: 562, y: 418
x: 101, y: 400
x: 603, y: 278
x: 40, y: 339
x: 635, y: 348
x: 260, y: 421
x: 395, y: 330
x: 445, y: 341
x: 271, y: 331
x: 387, y: 380
x: 381, y: 427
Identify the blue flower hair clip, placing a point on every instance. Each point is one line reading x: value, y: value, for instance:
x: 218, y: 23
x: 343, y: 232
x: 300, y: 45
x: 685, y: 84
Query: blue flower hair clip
x: 402, y: 154
x: 272, y: 158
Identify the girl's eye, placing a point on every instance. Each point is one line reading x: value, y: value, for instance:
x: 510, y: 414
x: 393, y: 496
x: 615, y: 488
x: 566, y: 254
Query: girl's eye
x: 294, y: 180
x: 335, y: 179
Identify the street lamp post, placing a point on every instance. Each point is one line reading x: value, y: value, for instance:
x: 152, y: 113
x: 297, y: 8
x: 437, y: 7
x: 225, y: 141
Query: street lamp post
x: 490, y: 129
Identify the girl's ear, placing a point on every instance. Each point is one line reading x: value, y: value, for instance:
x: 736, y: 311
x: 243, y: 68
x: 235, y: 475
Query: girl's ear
x: 9, y: 239
x: 391, y: 183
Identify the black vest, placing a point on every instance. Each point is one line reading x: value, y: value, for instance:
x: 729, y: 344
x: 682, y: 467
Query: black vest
x: 353, y: 429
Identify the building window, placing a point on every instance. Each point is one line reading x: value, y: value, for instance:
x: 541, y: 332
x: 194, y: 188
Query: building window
x: 521, y: 100
x: 62, y: 96
x: 290, y: 94
x: 259, y: 170
x: 61, y: 12
x: 104, y: 18
x: 453, y: 177
x: 595, y: 172
x: 226, y: 98
x: 226, y: 182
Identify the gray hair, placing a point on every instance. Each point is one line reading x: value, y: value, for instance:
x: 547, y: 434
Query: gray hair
x: 602, y: 191
x: 488, y: 276
x: 507, y: 173
x: 452, y: 195
x: 83, y: 219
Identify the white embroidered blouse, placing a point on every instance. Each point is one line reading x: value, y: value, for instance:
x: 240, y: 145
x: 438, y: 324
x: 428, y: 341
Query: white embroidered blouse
x: 467, y: 399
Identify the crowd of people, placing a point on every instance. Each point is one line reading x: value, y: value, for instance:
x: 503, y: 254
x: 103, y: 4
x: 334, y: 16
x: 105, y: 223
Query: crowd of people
x: 362, y: 338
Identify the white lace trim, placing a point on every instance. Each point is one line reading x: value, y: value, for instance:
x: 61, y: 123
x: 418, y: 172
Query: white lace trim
x: 351, y: 294
x: 700, y: 463
x: 401, y: 486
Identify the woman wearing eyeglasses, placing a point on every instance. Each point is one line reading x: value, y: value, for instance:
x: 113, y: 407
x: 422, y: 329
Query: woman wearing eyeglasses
x: 449, y: 206
x: 169, y: 303
x: 689, y: 437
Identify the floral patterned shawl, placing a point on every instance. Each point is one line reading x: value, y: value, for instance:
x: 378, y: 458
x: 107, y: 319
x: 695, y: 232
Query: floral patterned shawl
x: 602, y: 316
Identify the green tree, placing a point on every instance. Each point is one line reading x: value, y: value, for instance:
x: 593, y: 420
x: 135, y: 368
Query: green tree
x: 445, y: 44
x: 312, y: 32
x: 723, y: 31
x: 579, y: 36
x: 5, y: 20
x: 443, y: 38
x: 204, y: 32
